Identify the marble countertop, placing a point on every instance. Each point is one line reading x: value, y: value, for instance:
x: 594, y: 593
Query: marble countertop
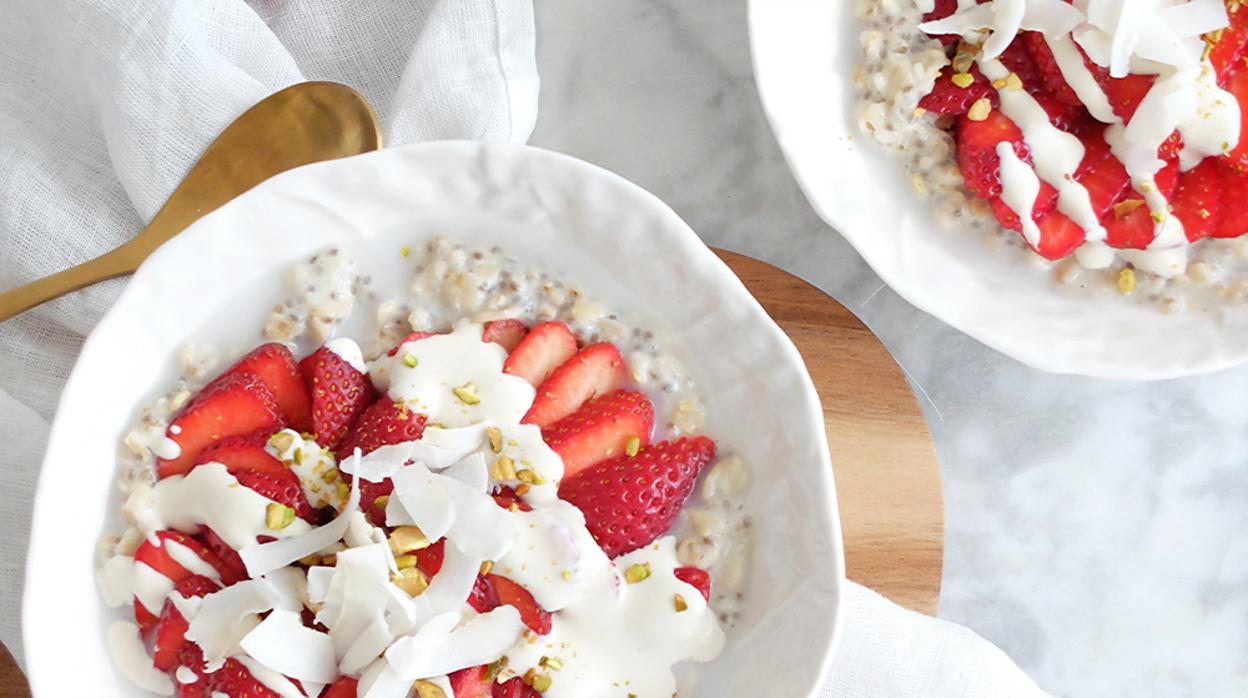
x: 1092, y: 527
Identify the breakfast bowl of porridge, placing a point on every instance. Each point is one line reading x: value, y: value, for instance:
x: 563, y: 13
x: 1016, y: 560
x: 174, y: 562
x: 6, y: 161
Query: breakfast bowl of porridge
x: 447, y: 420
x: 1061, y: 181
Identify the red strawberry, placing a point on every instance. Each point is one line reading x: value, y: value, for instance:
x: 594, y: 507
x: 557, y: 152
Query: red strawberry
x: 630, y: 501
x: 1230, y: 43
x: 283, y: 490
x: 947, y: 97
x: 514, y: 687
x: 339, y: 394
x: 244, y: 452
x: 1125, y: 94
x: 1059, y: 236
x: 171, y: 628
x: 370, y: 498
x: 1234, y: 219
x: 1238, y: 86
x: 234, y: 680
x: 1046, y: 200
x: 472, y: 682
x: 695, y: 577
x: 232, y: 567
x: 600, y: 430
x: 412, y: 337
x: 943, y: 9
x: 542, y: 350
x: 1130, y: 225
x: 1046, y: 66
x: 157, y: 556
x: 429, y: 562
x: 145, y: 619
x: 343, y: 687
x: 1197, y: 201
x: 383, y: 423
x: 273, y: 364
x: 1102, y: 175
x: 595, y: 370
x: 505, y: 333
x: 509, y: 593
x: 239, y: 403
x: 1071, y: 119
x: 977, y: 151
x: 505, y: 497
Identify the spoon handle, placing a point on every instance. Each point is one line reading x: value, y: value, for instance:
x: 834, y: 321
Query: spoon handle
x: 118, y: 262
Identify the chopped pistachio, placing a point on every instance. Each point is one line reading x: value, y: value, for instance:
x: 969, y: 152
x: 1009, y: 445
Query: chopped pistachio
x: 486, y: 567
x: 405, y: 562
x: 1158, y: 217
x: 278, y: 516
x: 1123, y: 208
x: 329, y: 560
x: 539, y: 682
x: 1126, y: 280
x: 532, y: 477
x: 282, y: 441
x: 495, y: 435
x: 411, y: 580
x: 567, y: 575
x: 504, y: 468
x: 551, y: 663
x: 632, y: 446
x: 980, y: 110
x: 522, y: 489
x: 637, y: 573
x: 680, y: 604
x: 409, y: 360
x: 330, y: 475
x: 493, y: 669
x: 405, y: 539
x: 428, y: 689
x: 963, y: 80
x: 1013, y: 82
x: 310, y: 561
x: 382, y: 501
x: 405, y: 250
x: 467, y: 393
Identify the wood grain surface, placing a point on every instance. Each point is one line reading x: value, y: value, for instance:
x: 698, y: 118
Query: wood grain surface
x: 887, y: 478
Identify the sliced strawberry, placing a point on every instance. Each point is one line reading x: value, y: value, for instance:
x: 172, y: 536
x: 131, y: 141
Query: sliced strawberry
x: 383, y: 423
x: 977, y: 151
x: 411, y: 337
x: 1237, y: 85
x: 239, y: 403
x: 1050, y: 74
x: 234, y: 680
x: 371, y: 494
x: 145, y: 619
x: 1059, y: 236
x: 1130, y: 225
x: 283, y: 490
x: 509, y: 593
x: 473, y: 682
x: 631, y: 500
x: 506, y: 497
x: 1125, y: 94
x: 158, y: 558
x: 1018, y: 60
x: 600, y: 430
x: 1104, y: 176
x: 1046, y: 200
x: 273, y: 364
x: 232, y: 567
x: 595, y: 370
x: 244, y: 452
x: 429, y: 560
x: 542, y: 350
x: 949, y: 98
x: 514, y: 687
x: 505, y: 333
x: 1230, y: 43
x: 171, y: 628
x: 1071, y: 119
x: 339, y: 394
x: 943, y: 9
x: 1233, y: 220
x: 343, y: 687
x: 1197, y: 201
x: 695, y: 577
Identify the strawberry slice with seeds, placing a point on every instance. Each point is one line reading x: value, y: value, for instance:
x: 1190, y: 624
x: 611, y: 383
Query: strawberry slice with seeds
x: 145, y: 619
x: 232, y: 567
x: 239, y: 403
x: 514, y: 687
x: 506, y: 333
x: 1237, y: 85
x: 595, y: 370
x: 542, y: 350
x: 1197, y: 202
x: 1233, y: 220
x: 339, y: 394
x: 1125, y: 94
x: 156, y: 555
x: 1046, y: 67
x: 273, y: 364
x: 695, y: 577
x: 345, y: 687
x: 630, y: 501
x: 384, y: 423
x: 951, y: 96
x: 284, y: 490
x: 1018, y: 60
x: 1229, y: 44
x: 509, y: 593
x: 171, y: 628
x: 1059, y: 236
x: 1130, y: 225
x: 473, y: 682
x: 977, y: 151
x: 411, y: 337
x: 600, y: 430
x: 234, y: 679
x: 943, y: 9
x: 244, y: 452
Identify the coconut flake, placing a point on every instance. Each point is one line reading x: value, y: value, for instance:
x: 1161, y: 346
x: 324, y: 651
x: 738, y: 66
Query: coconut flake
x: 471, y: 471
x: 151, y: 588
x: 125, y: 645
x: 439, y: 647
x: 290, y: 588
x: 380, y: 681
x: 319, y: 578
x: 368, y: 645
x: 270, y: 679
x: 264, y: 558
x: 283, y: 644
x: 226, y: 616
x: 424, y: 501
x: 356, y: 594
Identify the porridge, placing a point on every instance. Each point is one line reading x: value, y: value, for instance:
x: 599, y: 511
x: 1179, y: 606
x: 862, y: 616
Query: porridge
x: 435, y: 509
x: 1110, y: 150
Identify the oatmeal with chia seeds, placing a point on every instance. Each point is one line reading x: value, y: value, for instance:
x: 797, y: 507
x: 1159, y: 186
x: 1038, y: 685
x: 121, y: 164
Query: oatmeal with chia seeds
x: 438, y: 505
x: 1109, y: 152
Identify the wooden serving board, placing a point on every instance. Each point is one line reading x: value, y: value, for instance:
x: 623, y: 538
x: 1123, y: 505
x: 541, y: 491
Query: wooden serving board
x: 887, y: 478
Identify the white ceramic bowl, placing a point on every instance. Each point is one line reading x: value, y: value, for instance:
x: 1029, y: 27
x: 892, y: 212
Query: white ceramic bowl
x: 216, y: 282
x: 804, y: 55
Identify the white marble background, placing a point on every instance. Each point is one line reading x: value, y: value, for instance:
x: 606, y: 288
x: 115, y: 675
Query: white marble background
x: 1094, y: 529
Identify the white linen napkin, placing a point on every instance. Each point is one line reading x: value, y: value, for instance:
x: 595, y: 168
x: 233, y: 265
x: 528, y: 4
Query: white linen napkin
x: 104, y: 104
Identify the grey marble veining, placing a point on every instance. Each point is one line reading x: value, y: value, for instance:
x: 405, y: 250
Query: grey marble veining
x: 1095, y: 529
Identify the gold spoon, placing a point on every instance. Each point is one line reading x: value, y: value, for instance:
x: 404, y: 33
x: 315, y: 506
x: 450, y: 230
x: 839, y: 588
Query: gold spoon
x: 302, y: 124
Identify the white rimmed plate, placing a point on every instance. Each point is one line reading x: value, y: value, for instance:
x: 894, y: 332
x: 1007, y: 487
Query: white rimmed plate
x: 804, y: 53
x: 216, y: 282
